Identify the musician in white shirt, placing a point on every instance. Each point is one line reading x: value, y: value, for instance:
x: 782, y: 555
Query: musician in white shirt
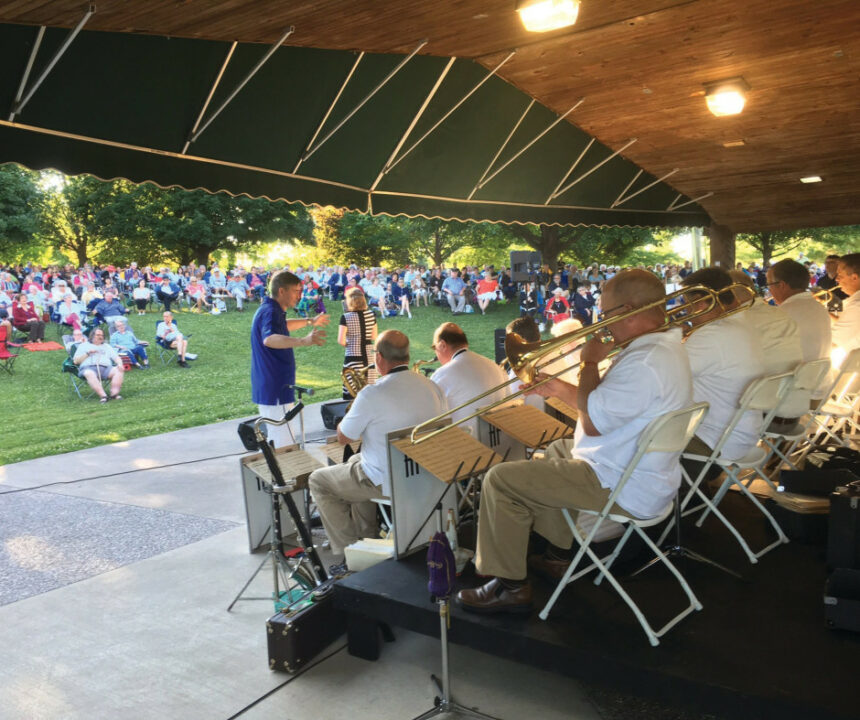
x: 846, y: 330
x: 399, y: 399
x: 464, y: 374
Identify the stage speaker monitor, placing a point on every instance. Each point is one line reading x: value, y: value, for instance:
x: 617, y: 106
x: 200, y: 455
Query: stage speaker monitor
x: 525, y: 265
x: 500, y: 344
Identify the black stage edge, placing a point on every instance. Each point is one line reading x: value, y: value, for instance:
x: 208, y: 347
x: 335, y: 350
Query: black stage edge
x: 758, y: 649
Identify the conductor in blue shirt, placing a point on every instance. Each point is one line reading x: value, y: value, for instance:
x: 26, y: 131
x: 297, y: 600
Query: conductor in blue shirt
x: 273, y: 363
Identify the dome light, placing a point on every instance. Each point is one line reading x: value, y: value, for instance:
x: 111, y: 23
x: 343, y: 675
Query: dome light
x: 726, y: 97
x: 545, y: 15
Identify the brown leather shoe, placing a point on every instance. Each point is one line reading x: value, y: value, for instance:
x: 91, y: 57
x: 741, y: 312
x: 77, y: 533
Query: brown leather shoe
x: 548, y: 568
x: 494, y: 597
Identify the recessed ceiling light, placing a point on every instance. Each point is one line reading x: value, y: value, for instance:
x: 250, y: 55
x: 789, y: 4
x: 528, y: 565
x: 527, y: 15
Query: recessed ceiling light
x: 544, y: 15
x: 734, y: 143
x: 726, y: 97
x: 810, y: 179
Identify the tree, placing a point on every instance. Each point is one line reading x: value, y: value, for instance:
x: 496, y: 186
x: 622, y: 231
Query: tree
x: 350, y: 237
x: 20, y: 211
x: 439, y: 239
x: 781, y: 242
x: 583, y: 244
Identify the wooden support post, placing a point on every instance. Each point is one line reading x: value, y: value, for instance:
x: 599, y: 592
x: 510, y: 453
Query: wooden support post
x: 722, y: 246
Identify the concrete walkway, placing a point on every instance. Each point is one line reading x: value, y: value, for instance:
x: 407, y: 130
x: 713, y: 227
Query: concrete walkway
x: 116, y: 567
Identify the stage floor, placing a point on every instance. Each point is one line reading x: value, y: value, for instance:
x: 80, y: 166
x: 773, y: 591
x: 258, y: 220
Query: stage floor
x: 758, y: 649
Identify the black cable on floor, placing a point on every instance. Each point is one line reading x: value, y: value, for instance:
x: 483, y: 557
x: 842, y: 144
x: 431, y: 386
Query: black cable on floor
x: 286, y: 682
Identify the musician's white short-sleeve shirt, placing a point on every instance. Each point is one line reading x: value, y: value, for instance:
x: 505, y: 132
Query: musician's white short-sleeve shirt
x: 398, y: 400
x: 466, y: 375
x: 846, y: 330
x: 813, y: 324
x: 725, y: 358
x: 648, y: 378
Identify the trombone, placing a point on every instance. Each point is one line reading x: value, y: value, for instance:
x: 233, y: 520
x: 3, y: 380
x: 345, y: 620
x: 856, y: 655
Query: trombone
x: 528, y: 359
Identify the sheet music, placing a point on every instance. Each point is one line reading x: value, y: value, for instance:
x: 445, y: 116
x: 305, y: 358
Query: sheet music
x: 295, y: 465
x: 334, y: 451
x: 527, y: 424
x: 562, y: 407
x: 453, y: 452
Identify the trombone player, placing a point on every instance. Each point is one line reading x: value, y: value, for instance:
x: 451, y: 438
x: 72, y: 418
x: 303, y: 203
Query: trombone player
x: 650, y: 377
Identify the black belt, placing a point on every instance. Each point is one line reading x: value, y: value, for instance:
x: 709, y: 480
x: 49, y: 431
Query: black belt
x: 784, y: 421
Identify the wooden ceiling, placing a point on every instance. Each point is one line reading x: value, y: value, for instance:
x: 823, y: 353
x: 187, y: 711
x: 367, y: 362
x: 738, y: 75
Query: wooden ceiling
x: 639, y: 64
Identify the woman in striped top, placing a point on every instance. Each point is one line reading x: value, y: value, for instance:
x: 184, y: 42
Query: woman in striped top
x: 357, y: 333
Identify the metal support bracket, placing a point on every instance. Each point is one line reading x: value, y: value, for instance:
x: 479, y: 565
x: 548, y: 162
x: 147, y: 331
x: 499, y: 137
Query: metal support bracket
x: 26, y: 76
x: 262, y: 61
x: 209, y: 96
x: 674, y: 207
x: 501, y: 149
x: 569, y: 172
x: 22, y: 102
x: 346, y: 119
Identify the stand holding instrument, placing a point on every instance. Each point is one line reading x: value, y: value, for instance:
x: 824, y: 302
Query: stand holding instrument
x: 303, y: 564
x: 520, y: 429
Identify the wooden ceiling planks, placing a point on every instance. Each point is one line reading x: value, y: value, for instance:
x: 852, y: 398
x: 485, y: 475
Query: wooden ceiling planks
x: 640, y: 64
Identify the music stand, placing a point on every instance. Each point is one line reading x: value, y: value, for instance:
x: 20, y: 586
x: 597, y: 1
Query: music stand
x: 443, y: 703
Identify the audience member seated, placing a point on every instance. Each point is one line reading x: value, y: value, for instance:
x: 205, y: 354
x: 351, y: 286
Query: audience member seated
x: 238, y: 288
x: 454, y: 289
x: 218, y: 284
x: 196, y: 292
x: 167, y: 292
x: 71, y: 312
x: 126, y: 343
x: 168, y: 336
x: 26, y: 319
x: 141, y: 296
x: 583, y: 305
x: 558, y: 308
x: 76, y: 338
x: 487, y: 290
x: 109, y: 309
x: 98, y: 361
x: 400, y: 295
x: 91, y: 296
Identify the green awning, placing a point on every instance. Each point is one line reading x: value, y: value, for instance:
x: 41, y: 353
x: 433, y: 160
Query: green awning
x: 319, y: 127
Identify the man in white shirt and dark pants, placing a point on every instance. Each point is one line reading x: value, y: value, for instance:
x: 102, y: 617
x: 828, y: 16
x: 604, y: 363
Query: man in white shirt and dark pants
x: 399, y: 399
x: 649, y: 378
x: 846, y: 330
x: 464, y: 374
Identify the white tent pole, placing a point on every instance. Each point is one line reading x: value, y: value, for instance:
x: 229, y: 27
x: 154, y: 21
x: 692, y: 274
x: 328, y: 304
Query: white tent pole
x: 26, y: 76
x: 501, y: 149
x: 572, y: 168
x: 533, y: 141
x: 209, y: 96
x: 388, y: 165
x: 674, y: 207
x: 262, y: 61
x: 469, y: 94
x: 360, y: 105
x: 19, y: 106
x: 642, y: 190
x: 330, y: 108
x: 599, y: 165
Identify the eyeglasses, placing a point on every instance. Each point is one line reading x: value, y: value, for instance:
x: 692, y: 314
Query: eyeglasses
x: 604, y: 314
x: 775, y: 282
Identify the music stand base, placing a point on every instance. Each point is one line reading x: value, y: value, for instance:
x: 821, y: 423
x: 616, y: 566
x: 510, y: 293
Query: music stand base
x: 444, y: 704
x: 674, y: 552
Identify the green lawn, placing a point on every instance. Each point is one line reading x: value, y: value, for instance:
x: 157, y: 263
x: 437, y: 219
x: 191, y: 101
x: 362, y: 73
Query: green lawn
x: 43, y: 417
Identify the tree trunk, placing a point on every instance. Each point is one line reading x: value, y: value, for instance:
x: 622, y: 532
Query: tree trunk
x: 722, y: 246
x: 81, y: 252
x: 437, y: 250
x: 549, y: 246
x: 201, y: 255
x: 766, y: 248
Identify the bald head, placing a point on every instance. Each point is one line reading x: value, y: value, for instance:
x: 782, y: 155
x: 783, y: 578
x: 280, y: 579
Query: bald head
x: 635, y: 287
x: 393, y: 346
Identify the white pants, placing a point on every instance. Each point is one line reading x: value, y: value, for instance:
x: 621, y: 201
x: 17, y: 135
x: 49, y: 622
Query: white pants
x: 239, y: 294
x: 280, y: 435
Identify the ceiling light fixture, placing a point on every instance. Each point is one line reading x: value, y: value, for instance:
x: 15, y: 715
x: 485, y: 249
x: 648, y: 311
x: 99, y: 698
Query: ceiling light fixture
x: 810, y: 179
x: 734, y: 143
x: 726, y: 97
x: 545, y: 15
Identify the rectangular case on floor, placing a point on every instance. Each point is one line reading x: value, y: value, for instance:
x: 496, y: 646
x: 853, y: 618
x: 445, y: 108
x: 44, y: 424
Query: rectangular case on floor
x: 842, y: 600
x: 843, y: 538
x: 296, y: 638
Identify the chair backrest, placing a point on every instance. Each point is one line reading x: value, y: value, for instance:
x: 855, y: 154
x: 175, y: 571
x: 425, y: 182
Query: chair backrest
x: 843, y: 383
x: 810, y: 375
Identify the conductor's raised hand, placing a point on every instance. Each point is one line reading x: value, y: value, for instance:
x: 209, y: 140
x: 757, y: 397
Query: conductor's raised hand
x: 320, y: 320
x: 316, y: 337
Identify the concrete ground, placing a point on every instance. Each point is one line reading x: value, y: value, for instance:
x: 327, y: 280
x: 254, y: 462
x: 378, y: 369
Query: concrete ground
x: 116, y: 568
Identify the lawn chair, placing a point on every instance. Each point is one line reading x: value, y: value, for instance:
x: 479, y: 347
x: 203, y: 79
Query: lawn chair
x: 77, y: 383
x: 7, y: 358
x: 668, y: 433
x: 166, y: 353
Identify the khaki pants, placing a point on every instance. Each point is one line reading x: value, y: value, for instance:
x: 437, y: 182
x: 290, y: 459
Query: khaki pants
x: 526, y: 495
x: 343, y: 496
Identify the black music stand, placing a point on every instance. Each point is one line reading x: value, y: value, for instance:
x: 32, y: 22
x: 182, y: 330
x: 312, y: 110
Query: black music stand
x: 308, y: 567
x: 443, y: 703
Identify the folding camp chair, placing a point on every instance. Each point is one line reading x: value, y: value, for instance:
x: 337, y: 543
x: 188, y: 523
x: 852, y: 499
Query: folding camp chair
x: 77, y: 383
x: 765, y: 395
x: 808, y: 377
x: 668, y: 433
x: 7, y: 358
x: 166, y: 353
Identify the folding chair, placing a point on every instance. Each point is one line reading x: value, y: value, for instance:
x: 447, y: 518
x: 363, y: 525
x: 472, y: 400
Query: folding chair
x: 765, y: 395
x: 7, y: 359
x: 166, y: 353
x: 808, y: 377
x: 838, y: 411
x: 77, y: 383
x: 668, y: 433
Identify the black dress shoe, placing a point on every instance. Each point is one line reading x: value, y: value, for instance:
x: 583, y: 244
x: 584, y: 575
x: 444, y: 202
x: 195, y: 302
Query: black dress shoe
x: 548, y: 568
x: 493, y: 597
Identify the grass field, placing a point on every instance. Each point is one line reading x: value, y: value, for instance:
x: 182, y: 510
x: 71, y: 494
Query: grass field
x: 43, y: 417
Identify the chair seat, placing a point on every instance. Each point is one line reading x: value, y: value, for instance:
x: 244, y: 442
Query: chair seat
x: 792, y: 432
x: 641, y: 522
x: 835, y: 409
x: 753, y: 458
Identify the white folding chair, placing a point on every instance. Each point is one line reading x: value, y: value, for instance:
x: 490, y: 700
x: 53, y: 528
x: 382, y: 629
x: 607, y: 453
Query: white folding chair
x: 765, y: 395
x: 668, y: 433
x: 808, y: 377
x: 838, y: 412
